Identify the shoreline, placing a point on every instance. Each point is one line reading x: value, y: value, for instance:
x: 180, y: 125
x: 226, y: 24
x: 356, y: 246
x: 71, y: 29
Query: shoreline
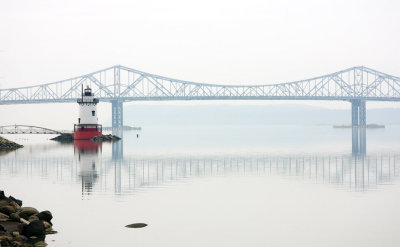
x: 7, y: 145
x: 23, y: 226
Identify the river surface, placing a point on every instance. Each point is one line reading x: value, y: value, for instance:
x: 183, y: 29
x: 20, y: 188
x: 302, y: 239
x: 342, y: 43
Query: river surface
x: 249, y: 185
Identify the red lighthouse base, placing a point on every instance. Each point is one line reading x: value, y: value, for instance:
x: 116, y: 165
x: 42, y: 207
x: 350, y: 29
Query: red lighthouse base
x: 86, y: 131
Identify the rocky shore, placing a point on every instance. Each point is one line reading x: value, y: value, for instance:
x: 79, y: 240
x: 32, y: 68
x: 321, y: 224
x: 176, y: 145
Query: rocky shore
x: 105, y: 138
x: 68, y: 137
x: 64, y: 138
x: 22, y: 226
x: 7, y: 145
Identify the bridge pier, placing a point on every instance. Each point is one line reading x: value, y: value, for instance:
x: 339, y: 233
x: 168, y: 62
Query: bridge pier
x: 359, y: 124
x: 358, y: 113
x: 117, y: 114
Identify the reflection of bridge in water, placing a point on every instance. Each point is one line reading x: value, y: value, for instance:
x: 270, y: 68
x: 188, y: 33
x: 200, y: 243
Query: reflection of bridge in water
x: 124, y: 176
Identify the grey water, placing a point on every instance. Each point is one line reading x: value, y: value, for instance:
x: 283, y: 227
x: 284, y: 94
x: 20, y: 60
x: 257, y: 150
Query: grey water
x: 214, y: 185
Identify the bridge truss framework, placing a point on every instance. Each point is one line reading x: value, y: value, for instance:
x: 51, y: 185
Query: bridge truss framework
x: 119, y: 84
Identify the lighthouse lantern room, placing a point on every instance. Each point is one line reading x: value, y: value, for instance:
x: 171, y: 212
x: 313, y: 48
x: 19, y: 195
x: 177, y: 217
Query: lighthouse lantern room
x: 87, y: 126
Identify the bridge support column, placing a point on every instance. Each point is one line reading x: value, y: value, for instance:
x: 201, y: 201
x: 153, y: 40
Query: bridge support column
x: 117, y: 114
x: 359, y: 124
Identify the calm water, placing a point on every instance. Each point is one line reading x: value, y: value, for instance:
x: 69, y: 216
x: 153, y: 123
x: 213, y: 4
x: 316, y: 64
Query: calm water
x: 214, y: 186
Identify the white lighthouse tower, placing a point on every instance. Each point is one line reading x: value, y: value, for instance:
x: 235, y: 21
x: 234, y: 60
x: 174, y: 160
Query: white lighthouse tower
x: 87, y: 126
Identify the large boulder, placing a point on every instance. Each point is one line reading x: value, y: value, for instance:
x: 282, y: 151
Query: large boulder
x: 15, y: 205
x: 2, y: 195
x: 33, y: 218
x: 4, y: 202
x: 3, y: 217
x: 35, y: 228
x: 7, y: 209
x: 26, y: 212
x: 15, y: 217
x: 11, y: 226
x: 19, y: 202
x: 45, y: 215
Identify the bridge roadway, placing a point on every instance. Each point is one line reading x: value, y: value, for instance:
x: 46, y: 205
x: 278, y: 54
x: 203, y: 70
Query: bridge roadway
x: 119, y: 84
x: 129, y: 174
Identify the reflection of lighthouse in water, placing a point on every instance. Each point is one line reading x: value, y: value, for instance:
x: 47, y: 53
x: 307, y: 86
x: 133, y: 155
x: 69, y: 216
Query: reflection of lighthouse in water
x: 87, y: 153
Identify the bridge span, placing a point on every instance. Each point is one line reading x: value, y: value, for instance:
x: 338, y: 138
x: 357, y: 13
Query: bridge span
x: 28, y: 129
x: 119, y: 84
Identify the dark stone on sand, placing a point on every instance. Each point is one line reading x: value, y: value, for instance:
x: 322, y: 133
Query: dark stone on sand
x: 136, y: 225
x: 35, y: 228
x: 19, y: 202
x: 46, y: 216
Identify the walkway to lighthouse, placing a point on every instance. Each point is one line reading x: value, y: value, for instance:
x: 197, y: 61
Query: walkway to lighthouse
x: 27, y: 129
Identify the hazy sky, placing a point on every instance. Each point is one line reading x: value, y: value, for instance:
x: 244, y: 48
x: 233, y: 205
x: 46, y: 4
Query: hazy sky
x: 226, y: 42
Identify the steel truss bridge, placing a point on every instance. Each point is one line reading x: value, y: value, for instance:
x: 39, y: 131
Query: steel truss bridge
x: 27, y: 129
x: 119, y: 84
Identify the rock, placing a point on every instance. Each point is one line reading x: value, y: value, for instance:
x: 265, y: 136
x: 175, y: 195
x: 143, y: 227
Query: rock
x: 15, y: 217
x: 24, y: 221
x: 50, y: 231
x: 64, y: 138
x: 15, y: 234
x: 12, y: 226
x: 40, y: 244
x: 21, y: 238
x: 105, y: 138
x: 45, y: 215
x: 15, y: 205
x: 7, y: 209
x: 5, y: 240
x: 4, y: 202
x: 2, y: 196
x: 19, y: 202
x: 35, y: 228
x: 16, y: 243
x: 27, y: 211
x: 6, y: 145
x: 33, y: 218
x: 46, y: 224
x: 3, y: 217
x: 136, y: 225
x: 2, y: 229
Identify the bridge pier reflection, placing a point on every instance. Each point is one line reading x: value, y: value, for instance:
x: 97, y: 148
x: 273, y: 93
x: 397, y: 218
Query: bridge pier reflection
x: 355, y: 172
x: 117, y: 158
x: 359, y: 140
x: 359, y: 125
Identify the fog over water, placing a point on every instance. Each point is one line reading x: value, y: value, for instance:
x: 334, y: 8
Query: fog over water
x: 213, y: 185
x: 207, y: 173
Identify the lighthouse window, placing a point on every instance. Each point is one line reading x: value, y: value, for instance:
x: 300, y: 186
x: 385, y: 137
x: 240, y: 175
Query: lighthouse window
x: 93, y: 113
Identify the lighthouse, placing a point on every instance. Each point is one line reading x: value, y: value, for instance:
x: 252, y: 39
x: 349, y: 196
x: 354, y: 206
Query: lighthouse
x: 87, y: 126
